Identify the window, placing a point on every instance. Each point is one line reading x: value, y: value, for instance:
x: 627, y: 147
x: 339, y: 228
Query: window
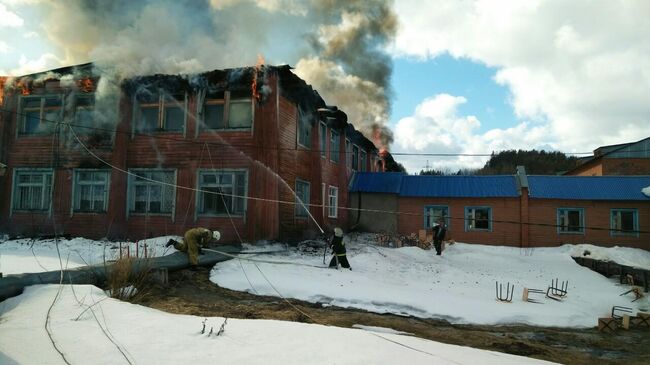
x: 152, y: 191
x: 433, y: 214
x: 304, y: 129
x: 91, y: 190
x: 302, y: 198
x: 83, y: 117
x: 227, y: 192
x: 478, y: 218
x: 624, y: 222
x: 323, y: 140
x: 362, y: 160
x: 335, y: 142
x: 570, y: 220
x: 40, y: 114
x: 160, y: 112
x: 355, y: 158
x: 348, y: 153
x: 32, y: 190
x: 333, y: 202
x: 227, y: 110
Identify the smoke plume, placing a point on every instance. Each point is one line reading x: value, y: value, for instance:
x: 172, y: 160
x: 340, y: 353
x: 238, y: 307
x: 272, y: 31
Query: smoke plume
x: 338, y: 46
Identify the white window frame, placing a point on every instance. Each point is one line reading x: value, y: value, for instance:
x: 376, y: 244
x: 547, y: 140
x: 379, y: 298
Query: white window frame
x: 130, y: 206
x: 332, y: 202
x: 200, y: 186
x: 76, y: 189
x: 14, y: 186
x: 298, y: 206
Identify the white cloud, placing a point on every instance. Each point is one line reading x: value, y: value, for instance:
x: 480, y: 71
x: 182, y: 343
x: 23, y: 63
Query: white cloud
x: 8, y: 18
x: 578, y: 69
x: 31, y: 34
x: 4, y: 47
x: 26, y: 66
x: 436, y: 127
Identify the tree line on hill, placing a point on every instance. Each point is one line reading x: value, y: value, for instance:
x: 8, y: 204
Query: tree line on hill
x: 506, y: 162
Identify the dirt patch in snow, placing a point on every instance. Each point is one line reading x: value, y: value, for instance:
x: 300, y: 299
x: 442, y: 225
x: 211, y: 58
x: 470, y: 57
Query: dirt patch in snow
x: 191, y: 292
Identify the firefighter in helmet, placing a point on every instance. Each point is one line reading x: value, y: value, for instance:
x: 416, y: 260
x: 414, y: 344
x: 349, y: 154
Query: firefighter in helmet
x: 193, y: 240
x: 338, y: 250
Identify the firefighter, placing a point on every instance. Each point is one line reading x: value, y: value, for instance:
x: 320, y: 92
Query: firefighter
x: 193, y: 240
x: 338, y: 250
x: 439, y: 231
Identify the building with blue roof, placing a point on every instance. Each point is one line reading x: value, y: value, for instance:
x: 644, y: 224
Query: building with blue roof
x: 514, y: 210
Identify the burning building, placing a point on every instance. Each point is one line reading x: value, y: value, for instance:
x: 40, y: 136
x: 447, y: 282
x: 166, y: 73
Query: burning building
x: 254, y: 152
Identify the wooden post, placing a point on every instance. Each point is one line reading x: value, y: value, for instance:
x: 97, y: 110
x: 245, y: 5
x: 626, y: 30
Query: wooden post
x: 626, y: 321
x: 524, y: 297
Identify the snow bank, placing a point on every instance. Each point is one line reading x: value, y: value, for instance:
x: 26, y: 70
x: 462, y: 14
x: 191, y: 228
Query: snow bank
x: 621, y: 255
x: 148, y: 336
x: 28, y: 256
x: 646, y: 191
x: 458, y: 286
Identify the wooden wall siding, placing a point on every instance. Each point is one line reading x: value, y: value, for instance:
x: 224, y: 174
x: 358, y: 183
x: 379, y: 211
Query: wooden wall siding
x: 626, y: 166
x: 503, y: 209
x: 597, y: 214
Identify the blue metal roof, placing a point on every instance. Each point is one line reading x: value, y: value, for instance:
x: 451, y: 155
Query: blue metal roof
x: 588, y: 187
x: 459, y: 186
x: 377, y: 182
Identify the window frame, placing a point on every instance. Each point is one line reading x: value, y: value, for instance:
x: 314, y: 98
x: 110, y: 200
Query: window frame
x: 131, y: 183
x: 79, y: 128
x: 20, y: 129
x: 363, y: 163
x: 301, y: 123
x: 467, y: 219
x: 330, y: 207
x: 618, y: 232
x: 335, y: 151
x: 14, y: 196
x: 225, y: 101
x: 435, y: 206
x: 348, y: 153
x: 298, y: 206
x: 322, y: 138
x: 200, y: 187
x: 161, y: 105
x: 74, y: 209
x: 582, y: 220
x: 355, y: 157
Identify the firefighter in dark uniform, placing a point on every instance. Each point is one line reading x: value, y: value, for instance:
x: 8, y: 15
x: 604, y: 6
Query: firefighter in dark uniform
x: 193, y: 240
x: 439, y: 231
x: 338, y: 250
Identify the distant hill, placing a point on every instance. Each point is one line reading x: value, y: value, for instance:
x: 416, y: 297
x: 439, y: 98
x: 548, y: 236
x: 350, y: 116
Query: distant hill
x: 506, y: 162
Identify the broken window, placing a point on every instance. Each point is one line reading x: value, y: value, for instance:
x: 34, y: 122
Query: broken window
x: 152, y: 191
x: 84, y: 114
x: 32, y: 190
x: 478, y: 218
x: 434, y: 213
x: 222, y: 192
x: 333, y: 202
x: 302, y: 198
x: 304, y: 129
x: 228, y: 110
x: 91, y: 190
x: 624, y: 222
x: 40, y: 114
x: 570, y: 220
x: 335, y: 142
x: 355, y: 158
x: 160, y: 111
x: 362, y: 160
x: 323, y: 140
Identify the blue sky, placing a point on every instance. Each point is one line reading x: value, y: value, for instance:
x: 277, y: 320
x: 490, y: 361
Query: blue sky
x: 415, y: 79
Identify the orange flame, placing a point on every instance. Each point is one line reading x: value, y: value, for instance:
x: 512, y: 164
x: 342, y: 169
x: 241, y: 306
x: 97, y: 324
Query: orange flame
x: 85, y: 85
x: 258, y: 67
x: 24, y: 87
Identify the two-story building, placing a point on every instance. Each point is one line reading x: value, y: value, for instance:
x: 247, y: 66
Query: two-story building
x: 253, y: 152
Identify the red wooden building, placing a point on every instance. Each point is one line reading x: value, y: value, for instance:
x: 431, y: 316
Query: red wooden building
x: 254, y: 152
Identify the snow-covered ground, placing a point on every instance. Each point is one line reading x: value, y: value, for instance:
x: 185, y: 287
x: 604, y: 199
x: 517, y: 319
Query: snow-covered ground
x: 28, y: 256
x: 458, y: 286
x: 89, y: 328
x: 621, y: 255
